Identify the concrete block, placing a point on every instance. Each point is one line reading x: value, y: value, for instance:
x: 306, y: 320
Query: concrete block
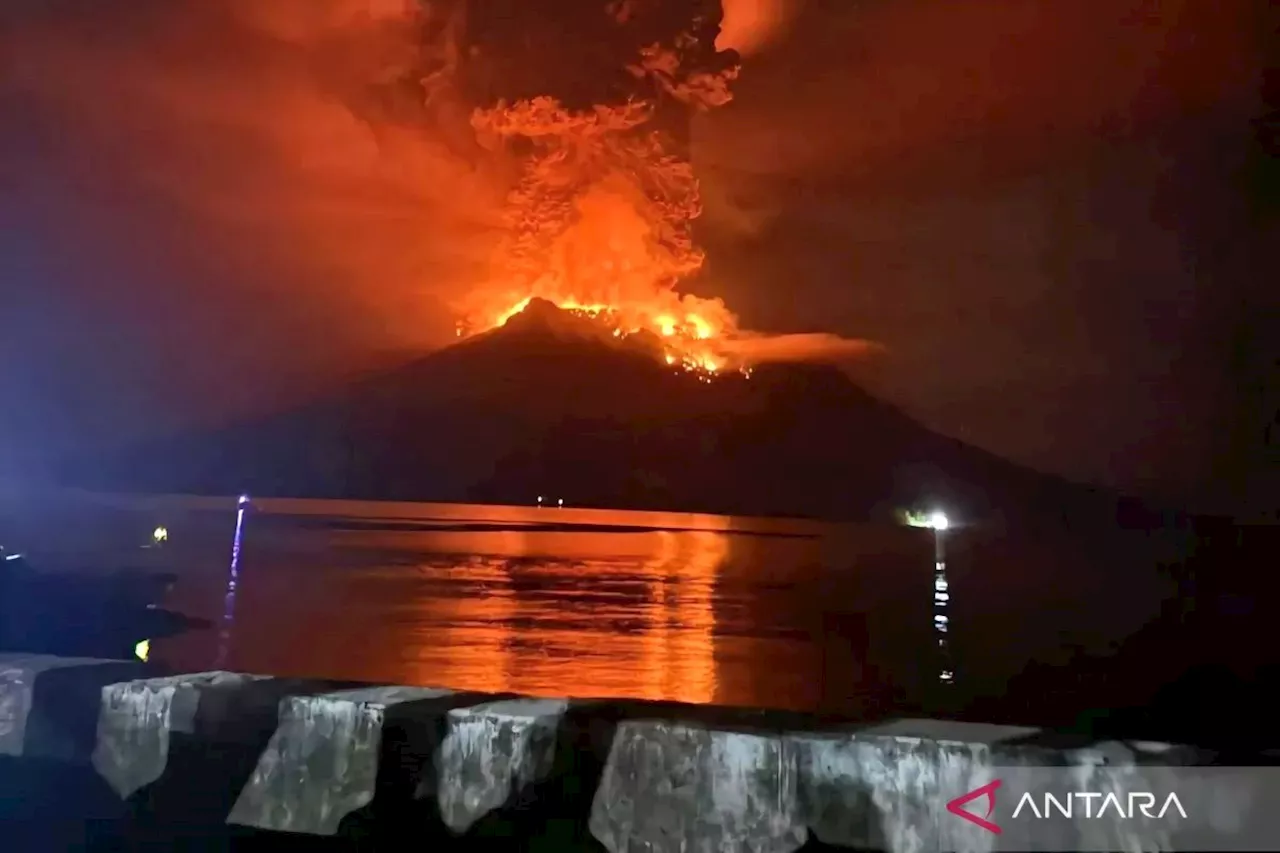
x: 49, y: 705
x: 888, y: 793
x: 885, y: 787
x: 322, y: 763
x: 138, y: 720
x: 686, y: 789
x: 491, y: 751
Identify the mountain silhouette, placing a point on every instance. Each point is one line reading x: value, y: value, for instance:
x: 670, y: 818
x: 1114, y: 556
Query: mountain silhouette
x: 552, y: 405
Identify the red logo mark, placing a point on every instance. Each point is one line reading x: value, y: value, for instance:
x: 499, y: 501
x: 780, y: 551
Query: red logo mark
x: 956, y: 806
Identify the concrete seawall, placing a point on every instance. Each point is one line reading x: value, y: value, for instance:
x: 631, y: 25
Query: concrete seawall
x: 226, y: 754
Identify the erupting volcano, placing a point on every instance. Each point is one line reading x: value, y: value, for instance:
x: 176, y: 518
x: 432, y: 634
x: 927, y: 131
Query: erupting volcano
x: 581, y: 369
x: 687, y: 340
x: 599, y: 221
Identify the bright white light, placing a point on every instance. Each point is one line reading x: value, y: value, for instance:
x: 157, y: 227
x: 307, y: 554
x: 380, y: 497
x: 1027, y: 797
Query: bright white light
x: 142, y: 651
x: 160, y: 534
x: 936, y: 520
x: 244, y: 500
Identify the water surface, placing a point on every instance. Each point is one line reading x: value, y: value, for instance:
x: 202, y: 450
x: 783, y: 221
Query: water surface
x: 595, y: 603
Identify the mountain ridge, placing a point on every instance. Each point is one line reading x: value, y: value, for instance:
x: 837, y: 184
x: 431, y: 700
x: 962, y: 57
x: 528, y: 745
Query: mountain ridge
x: 552, y: 404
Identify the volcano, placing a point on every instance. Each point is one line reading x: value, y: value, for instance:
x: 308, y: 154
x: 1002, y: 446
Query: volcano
x: 553, y: 404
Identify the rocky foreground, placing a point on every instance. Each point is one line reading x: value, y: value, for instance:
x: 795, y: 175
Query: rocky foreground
x: 227, y: 759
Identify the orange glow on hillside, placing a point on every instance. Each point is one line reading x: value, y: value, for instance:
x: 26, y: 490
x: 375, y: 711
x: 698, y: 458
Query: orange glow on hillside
x: 689, y: 341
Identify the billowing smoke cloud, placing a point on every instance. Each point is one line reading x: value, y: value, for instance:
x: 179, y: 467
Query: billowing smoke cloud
x: 750, y: 25
x: 283, y: 126
x: 229, y: 195
x: 1042, y: 208
x: 800, y: 347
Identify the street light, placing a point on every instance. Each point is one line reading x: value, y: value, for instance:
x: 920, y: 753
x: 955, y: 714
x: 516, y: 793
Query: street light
x: 935, y: 520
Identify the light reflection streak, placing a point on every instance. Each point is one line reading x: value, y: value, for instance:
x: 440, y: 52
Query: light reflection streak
x: 679, y: 647
x: 233, y: 576
x: 941, y: 606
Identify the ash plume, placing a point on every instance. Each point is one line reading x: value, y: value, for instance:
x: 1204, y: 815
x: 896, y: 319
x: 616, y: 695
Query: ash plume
x: 799, y: 347
x: 750, y: 26
x: 951, y: 175
x: 601, y: 216
x: 217, y: 206
x: 287, y: 143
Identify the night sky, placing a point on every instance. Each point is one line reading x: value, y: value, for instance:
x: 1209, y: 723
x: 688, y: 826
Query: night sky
x: 1055, y: 215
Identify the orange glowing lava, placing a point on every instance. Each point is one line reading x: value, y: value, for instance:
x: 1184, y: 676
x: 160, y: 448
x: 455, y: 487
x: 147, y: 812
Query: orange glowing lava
x: 689, y: 339
x: 599, y: 221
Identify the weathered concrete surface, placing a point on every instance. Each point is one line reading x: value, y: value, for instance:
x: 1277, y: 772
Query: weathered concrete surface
x: 322, y: 763
x: 683, y: 788
x: 48, y: 704
x: 692, y: 780
x: 886, y: 788
x: 137, y: 719
x: 1113, y: 768
x: 492, y: 750
x: 674, y: 787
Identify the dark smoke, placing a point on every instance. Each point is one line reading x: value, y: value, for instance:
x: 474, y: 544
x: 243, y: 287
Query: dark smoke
x: 213, y: 205
x: 1051, y: 213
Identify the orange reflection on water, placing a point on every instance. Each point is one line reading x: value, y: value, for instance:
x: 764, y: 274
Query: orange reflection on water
x: 679, y: 653
x: 554, y: 612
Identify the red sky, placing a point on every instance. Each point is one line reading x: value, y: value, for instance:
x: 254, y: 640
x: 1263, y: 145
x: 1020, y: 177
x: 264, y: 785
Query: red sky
x: 1048, y: 211
x: 1052, y: 213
